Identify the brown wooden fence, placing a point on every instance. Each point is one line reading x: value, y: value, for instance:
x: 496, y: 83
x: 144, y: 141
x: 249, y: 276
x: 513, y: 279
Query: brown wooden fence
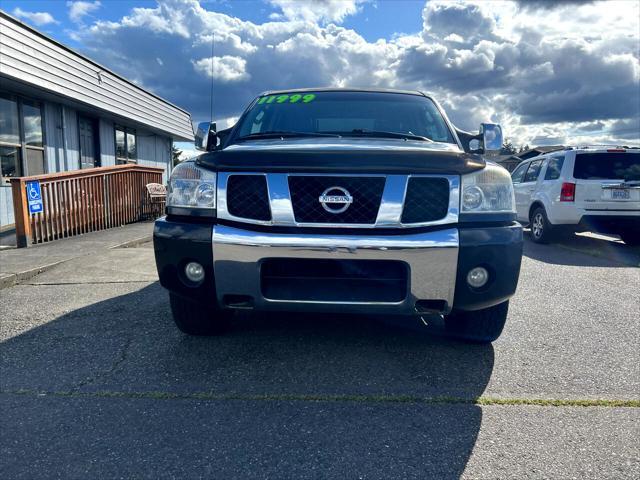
x: 83, y: 201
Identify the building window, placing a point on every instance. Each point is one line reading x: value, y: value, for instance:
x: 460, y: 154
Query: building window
x: 21, y: 138
x: 126, y: 145
x: 10, y: 158
x: 33, y: 141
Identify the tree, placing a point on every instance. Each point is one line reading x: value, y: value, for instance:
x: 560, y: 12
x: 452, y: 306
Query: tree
x: 524, y: 148
x: 175, y: 155
x: 508, y: 148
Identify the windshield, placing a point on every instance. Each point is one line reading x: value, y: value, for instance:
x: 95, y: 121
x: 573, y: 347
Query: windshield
x: 602, y: 166
x: 348, y: 114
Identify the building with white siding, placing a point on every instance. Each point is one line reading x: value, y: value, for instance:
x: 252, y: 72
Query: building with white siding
x: 62, y: 111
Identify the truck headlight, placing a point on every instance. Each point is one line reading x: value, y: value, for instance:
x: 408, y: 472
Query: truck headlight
x: 487, y: 191
x: 192, y: 191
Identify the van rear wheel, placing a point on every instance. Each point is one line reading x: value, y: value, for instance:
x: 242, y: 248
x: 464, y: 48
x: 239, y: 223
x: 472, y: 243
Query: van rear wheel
x: 541, y: 229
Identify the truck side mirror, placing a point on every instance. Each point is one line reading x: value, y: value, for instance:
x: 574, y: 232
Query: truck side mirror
x: 491, y: 134
x: 206, y: 136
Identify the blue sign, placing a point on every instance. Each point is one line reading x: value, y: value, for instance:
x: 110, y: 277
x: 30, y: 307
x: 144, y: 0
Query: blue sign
x: 34, y: 197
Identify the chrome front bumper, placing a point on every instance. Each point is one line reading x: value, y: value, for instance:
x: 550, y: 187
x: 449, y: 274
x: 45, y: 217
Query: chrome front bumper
x: 431, y: 258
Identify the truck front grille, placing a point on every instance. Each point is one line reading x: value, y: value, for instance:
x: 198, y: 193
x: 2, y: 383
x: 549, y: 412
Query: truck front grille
x: 427, y: 200
x: 247, y: 197
x: 338, y: 201
x: 365, y: 191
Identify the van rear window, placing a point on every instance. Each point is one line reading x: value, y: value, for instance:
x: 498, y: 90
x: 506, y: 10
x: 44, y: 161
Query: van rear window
x: 597, y: 166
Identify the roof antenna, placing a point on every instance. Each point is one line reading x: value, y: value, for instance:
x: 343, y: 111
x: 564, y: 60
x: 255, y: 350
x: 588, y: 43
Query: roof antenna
x: 212, y: 57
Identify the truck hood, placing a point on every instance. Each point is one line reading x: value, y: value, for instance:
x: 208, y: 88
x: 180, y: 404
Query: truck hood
x: 346, y: 154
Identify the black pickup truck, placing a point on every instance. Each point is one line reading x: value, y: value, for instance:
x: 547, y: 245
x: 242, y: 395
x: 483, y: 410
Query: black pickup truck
x: 341, y: 200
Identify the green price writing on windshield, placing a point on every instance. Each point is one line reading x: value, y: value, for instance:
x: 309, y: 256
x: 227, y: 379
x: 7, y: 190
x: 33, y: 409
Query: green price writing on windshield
x: 295, y: 98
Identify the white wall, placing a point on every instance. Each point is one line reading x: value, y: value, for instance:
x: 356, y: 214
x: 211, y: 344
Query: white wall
x: 154, y: 151
x: 107, y: 143
x: 6, y: 206
x: 72, y: 139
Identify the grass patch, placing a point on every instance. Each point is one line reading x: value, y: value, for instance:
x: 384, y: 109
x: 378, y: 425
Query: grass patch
x: 211, y: 396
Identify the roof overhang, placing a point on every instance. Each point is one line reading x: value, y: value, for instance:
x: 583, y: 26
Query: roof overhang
x: 33, y: 62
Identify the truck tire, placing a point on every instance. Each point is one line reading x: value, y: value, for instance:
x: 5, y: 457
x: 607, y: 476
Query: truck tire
x: 541, y: 229
x: 480, y: 326
x: 631, y: 238
x: 195, y: 318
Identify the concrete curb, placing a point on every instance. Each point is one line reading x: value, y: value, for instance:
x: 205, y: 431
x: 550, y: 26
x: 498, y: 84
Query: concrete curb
x: 11, y: 279
x: 136, y: 242
x: 27, y: 274
x: 7, y: 280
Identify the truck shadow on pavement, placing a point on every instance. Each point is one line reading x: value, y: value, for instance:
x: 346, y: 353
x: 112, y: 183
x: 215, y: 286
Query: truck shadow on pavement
x: 279, y: 396
x: 583, y: 251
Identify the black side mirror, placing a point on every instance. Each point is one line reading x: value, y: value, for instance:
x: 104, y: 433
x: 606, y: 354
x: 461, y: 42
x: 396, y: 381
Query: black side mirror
x: 206, y: 136
x: 487, y: 140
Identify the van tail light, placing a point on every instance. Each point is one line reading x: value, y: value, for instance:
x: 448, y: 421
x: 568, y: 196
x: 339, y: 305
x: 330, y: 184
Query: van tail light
x: 568, y: 192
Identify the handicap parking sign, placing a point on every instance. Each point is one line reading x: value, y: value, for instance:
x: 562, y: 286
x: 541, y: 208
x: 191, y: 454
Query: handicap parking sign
x: 34, y: 197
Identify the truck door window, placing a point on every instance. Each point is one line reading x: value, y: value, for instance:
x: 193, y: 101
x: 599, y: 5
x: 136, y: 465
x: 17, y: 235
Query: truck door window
x: 533, y: 171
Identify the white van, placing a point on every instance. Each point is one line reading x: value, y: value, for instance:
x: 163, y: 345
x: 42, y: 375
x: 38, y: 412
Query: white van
x: 580, y: 189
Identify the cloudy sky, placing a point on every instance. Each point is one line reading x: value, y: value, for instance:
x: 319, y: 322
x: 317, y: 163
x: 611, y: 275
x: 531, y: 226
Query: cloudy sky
x: 549, y: 72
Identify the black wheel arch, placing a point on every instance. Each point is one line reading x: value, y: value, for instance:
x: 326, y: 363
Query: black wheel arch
x: 534, y: 206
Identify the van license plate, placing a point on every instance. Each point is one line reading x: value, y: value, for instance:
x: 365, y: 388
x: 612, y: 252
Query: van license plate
x: 620, y: 194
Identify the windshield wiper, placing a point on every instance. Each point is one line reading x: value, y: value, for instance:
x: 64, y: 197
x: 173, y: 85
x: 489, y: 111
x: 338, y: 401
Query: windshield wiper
x: 383, y: 134
x: 284, y: 133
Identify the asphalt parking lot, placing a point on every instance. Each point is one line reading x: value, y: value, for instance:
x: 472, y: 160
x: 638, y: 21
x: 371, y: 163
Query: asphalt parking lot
x: 96, y: 382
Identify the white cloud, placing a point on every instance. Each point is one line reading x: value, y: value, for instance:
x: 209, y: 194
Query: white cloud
x: 225, y: 69
x: 482, y: 60
x: 454, y: 38
x: 80, y: 9
x: 37, y: 18
x: 324, y: 11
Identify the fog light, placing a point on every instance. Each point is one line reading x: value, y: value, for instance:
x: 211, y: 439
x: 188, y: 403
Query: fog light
x: 477, y: 277
x: 194, y: 272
